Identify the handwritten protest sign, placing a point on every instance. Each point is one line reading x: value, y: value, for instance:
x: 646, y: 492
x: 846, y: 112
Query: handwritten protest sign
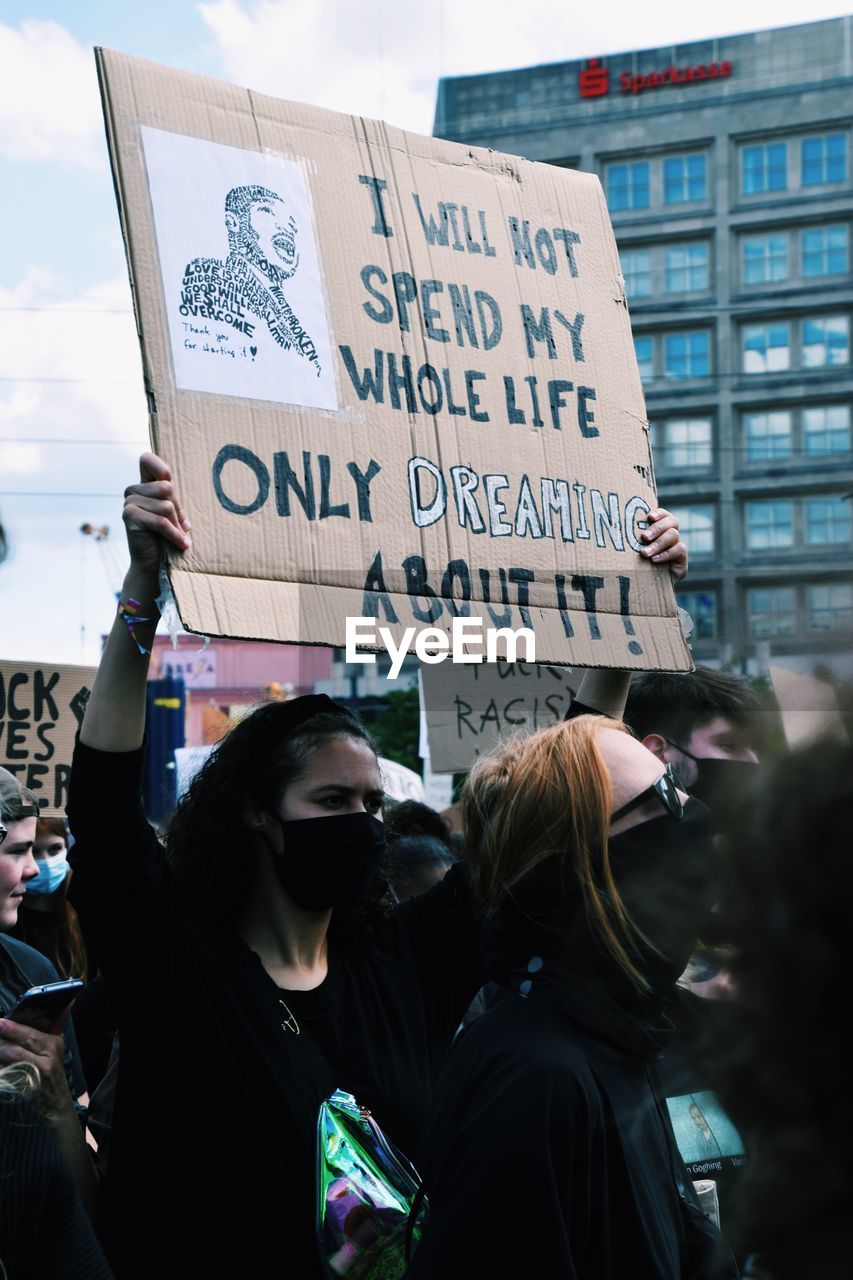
x: 469, y: 709
x: 394, y: 377
x: 41, y: 709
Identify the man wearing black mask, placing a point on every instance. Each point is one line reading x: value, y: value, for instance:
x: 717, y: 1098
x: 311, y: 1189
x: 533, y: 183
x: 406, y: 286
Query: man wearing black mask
x: 706, y: 724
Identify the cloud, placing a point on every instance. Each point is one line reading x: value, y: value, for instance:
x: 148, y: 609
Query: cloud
x: 49, y: 104
x: 383, y: 59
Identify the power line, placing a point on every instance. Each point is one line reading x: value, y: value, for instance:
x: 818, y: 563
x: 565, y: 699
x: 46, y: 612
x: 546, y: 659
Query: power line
x: 80, y: 381
x: 60, y: 440
x: 74, y: 311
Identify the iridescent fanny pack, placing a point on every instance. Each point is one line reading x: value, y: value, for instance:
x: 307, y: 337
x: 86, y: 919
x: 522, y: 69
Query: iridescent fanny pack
x: 369, y: 1200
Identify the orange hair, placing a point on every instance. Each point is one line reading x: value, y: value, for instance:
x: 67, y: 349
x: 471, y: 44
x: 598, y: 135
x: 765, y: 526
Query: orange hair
x: 542, y: 797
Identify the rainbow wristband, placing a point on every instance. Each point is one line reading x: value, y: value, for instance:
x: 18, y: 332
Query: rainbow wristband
x: 129, y: 611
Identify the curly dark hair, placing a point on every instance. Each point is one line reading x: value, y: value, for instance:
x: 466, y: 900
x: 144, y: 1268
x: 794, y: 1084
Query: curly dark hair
x: 785, y: 1075
x: 254, y: 764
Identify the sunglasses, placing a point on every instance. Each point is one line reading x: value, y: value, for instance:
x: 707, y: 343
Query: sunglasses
x: 666, y: 791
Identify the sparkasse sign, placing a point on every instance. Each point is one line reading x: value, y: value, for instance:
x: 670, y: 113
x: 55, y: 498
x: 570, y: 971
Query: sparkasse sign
x: 594, y: 79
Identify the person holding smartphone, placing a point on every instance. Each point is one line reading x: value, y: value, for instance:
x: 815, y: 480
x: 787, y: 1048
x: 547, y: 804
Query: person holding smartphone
x: 21, y: 967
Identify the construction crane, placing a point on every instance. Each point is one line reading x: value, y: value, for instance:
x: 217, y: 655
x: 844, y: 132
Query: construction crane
x: 109, y: 558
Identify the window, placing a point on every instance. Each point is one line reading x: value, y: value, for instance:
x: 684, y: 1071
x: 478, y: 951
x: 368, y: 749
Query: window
x: 830, y: 606
x: 768, y: 435
x: 771, y: 611
x: 769, y: 525
x: 766, y: 347
x: 824, y: 159
x: 686, y: 442
x: 765, y: 259
x: 826, y: 429
x: 827, y: 521
x: 644, y: 350
x: 825, y: 251
x: 684, y: 179
x: 826, y: 340
x: 637, y: 271
x: 702, y: 607
x: 764, y: 168
x: 697, y: 528
x: 686, y: 268
x: 687, y: 354
x: 628, y: 186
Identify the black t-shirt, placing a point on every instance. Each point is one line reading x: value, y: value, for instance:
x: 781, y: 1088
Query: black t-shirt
x: 44, y: 1231
x: 213, y: 1147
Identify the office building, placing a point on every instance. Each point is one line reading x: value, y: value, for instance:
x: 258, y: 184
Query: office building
x: 727, y: 167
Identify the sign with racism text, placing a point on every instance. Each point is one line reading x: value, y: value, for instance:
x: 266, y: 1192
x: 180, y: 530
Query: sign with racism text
x: 393, y: 376
x: 41, y: 709
x: 470, y: 709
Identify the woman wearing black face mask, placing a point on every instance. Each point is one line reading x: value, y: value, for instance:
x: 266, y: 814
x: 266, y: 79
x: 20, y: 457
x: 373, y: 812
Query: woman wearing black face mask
x: 255, y: 966
x: 548, y: 1151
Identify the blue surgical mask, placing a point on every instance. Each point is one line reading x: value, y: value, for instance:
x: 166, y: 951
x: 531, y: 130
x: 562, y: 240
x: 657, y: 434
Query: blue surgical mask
x: 52, y: 872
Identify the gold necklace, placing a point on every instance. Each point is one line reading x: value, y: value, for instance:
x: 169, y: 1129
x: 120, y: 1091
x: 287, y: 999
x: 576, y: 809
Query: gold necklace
x: 290, y: 1023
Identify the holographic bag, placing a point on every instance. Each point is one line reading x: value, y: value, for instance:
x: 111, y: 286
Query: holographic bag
x: 369, y: 1199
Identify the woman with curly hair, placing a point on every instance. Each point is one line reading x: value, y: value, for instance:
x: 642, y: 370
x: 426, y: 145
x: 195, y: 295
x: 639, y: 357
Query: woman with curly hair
x: 254, y: 965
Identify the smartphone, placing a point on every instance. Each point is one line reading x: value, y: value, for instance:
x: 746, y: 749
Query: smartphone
x: 45, y: 1008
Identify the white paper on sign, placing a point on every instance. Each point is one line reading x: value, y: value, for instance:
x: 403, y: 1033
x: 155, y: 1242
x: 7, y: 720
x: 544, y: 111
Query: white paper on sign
x: 241, y: 274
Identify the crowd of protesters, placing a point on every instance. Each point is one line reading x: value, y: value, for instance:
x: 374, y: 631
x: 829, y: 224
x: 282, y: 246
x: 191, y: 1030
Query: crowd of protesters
x: 602, y: 1021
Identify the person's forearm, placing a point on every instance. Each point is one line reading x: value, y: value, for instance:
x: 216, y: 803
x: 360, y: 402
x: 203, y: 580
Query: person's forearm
x: 69, y: 1137
x: 115, y: 712
x: 605, y: 691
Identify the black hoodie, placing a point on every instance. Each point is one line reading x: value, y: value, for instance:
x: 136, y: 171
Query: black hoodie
x: 548, y: 1151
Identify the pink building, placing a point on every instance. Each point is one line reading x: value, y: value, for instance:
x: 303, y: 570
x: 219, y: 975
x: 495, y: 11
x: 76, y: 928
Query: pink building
x: 231, y: 675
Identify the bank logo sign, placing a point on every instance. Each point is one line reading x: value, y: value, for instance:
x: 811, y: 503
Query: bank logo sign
x: 594, y: 78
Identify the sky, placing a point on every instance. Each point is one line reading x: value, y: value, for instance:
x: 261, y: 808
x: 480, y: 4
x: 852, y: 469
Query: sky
x: 72, y: 410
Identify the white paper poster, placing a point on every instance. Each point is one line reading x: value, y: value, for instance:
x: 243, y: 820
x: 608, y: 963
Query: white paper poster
x: 241, y: 274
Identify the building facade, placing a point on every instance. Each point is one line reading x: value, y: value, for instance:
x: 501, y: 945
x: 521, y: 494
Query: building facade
x: 727, y: 170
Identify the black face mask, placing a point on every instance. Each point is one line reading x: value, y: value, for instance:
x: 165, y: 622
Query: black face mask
x: 718, y: 782
x: 329, y: 862
x: 664, y: 869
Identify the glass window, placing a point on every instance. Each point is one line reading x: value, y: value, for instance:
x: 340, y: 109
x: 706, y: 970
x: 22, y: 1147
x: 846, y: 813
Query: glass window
x: 768, y: 435
x: 826, y: 340
x: 702, y: 607
x: 628, y: 186
x: 824, y: 159
x: 826, y: 429
x: 830, y: 606
x: 697, y: 528
x: 764, y: 168
x: 644, y: 349
x: 827, y: 521
x: 771, y: 611
x: 684, y: 179
x: 765, y: 259
x: 686, y: 268
x: 637, y: 271
x: 687, y: 442
x: 766, y: 347
x: 687, y: 354
x: 769, y: 525
x: 825, y: 251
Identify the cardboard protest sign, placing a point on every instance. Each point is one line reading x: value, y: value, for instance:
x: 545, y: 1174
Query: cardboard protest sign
x: 41, y: 709
x: 393, y: 375
x: 469, y: 709
x: 808, y: 707
x: 400, y: 783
